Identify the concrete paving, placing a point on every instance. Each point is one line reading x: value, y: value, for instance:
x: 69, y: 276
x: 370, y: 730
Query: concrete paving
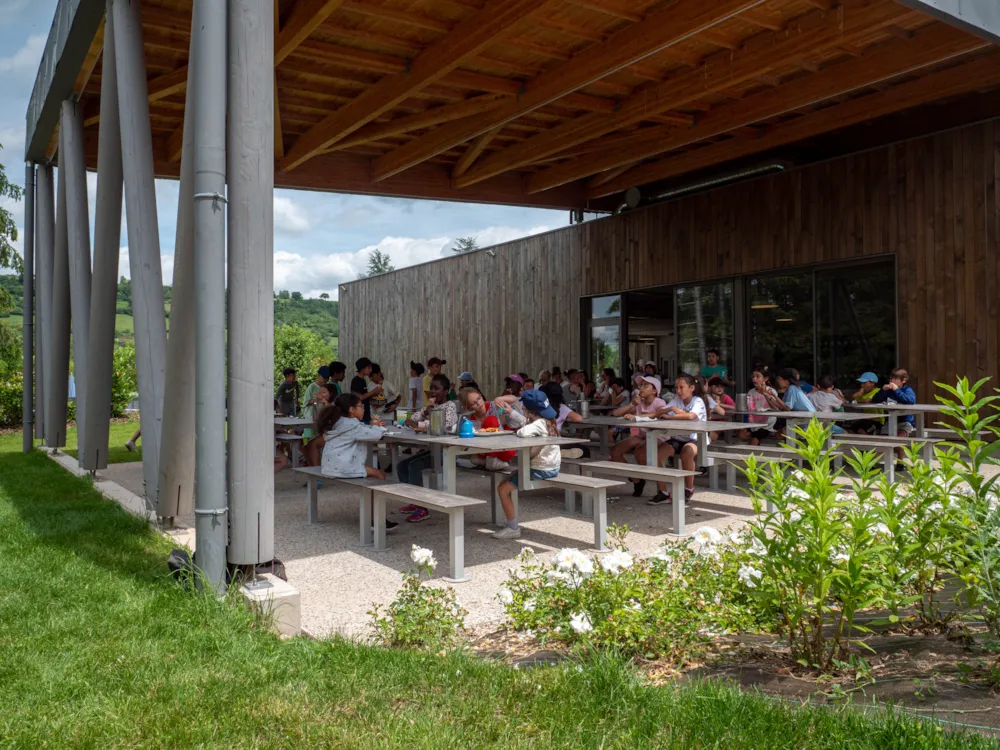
x: 339, y: 582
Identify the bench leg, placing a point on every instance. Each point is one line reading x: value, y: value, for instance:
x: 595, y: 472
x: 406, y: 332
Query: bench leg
x: 678, y: 505
x: 889, y: 459
x: 456, y: 546
x: 494, y: 499
x: 586, y: 500
x: 426, y: 476
x: 365, y: 518
x: 379, y: 523
x: 312, y: 491
x: 295, y: 454
x: 600, y: 503
x: 713, y: 477
x: 730, y: 475
x: 769, y: 506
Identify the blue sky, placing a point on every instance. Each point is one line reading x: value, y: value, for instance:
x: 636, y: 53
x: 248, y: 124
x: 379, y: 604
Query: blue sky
x: 320, y: 239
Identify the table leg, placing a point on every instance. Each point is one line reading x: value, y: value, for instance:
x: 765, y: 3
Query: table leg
x: 652, y: 443
x: 295, y: 454
x: 921, y: 427
x: 494, y: 499
x: 893, y: 423
x: 599, y: 499
x: 889, y: 459
x: 450, y: 470
x: 437, y: 461
x: 365, y: 518
x: 379, y: 522
x: 312, y: 492
x: 701, y: 442
x: 393, y: 449
x: 524, y: 470
x: 602, y: 433
x: 456, y: 546
x: 731, y: 476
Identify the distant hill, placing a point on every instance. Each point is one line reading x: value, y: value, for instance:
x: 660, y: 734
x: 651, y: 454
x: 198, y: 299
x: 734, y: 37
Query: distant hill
x: 290, y: 308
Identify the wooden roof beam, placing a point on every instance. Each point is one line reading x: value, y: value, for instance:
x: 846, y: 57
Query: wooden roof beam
x: 467, y: 39
x: 660, y: 30
x: 890, y: 60
x: 305, y: 18
x: 475, y: 150
x: 961, y: 79
x: 610, y: 7
x: 90, y: 61
x: 816, y: 30
x: 159, y: 88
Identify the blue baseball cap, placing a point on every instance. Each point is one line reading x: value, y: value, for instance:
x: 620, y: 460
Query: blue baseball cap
x: 467, y: 376
x: 868, y: 377
x: 538, y: 402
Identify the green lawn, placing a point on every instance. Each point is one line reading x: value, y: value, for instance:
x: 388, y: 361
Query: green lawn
x: 99, y: 648
x: 117, y: 452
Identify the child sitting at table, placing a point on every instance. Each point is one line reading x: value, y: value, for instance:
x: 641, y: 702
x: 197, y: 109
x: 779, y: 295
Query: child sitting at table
x: 690, y: 403
x: 348, y: 439
x: 898, y: 391
x: 826, y: 397
x: 545, y: 460
x: 866, y: 392
x: 645, y: 403
x: 761, y: 398
x: 482, y: 415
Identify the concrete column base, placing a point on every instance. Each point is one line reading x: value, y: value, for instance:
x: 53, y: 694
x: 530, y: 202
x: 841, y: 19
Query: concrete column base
x: 273, y: 596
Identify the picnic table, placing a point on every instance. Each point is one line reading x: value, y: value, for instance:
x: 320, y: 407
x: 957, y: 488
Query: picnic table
x: 446, y: 449
x: 802, y: 418
x: 700, y: 428
x: 292, y: 422
x: 894, y: 411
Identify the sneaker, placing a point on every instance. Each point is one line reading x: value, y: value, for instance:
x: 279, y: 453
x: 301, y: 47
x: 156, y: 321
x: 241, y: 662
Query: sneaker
x: 572, y: 453
x: 418, y: 515
x: 464, y: 463
x: 130, y: 446
x: 408, y: 509
x: 660, y: 498
x: 507, y: 533
x: 495, y: 464
x: 901, y: 466
x: 639, y: 487
x: 389, y: 525
x: 688, y: 494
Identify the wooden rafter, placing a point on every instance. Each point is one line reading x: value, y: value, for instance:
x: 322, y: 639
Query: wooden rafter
x: 90, y: 61
x: 982, y: 73
x: 474, y: 150
x: 933, y: 45
x: 628, y: 46
x: 614, y: 8
x: 305, y: 18
x: 816, y: 30
x: 159, y: 88
x: 467, y: 39
x: 279, y: 133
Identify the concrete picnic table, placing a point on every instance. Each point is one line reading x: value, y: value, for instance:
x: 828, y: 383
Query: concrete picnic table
x: 700, y: 428
x: 894, y: 411
x: 292, y: 422
x: 446, y: 449
x: 799, y: 418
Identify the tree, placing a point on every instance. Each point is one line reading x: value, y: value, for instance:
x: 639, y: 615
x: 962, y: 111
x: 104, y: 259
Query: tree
x: 378, y: 264
x: 297, y: 296
x: 284, y: 294
x: 300, y: 348
x: 10, y: 339
x: 324, y: 295
x: 465, y: 245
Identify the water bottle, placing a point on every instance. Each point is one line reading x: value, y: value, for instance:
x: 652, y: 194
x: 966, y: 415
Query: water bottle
x: 465, y: 428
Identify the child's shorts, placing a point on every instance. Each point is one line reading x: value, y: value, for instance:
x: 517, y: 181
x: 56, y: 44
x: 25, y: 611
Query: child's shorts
x: 535, y: 474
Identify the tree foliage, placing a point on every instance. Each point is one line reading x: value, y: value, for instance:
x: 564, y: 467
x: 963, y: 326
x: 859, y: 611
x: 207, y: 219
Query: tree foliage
x: 9, y: 257
x: 305, y: 350
x: 465, y: 245
x: 378, y: 264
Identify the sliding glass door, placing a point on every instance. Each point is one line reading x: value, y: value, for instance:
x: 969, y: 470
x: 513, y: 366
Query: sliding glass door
x: 604, y: 335
x: 705, y: 321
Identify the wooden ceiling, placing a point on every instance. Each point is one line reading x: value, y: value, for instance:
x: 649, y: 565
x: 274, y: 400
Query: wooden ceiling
x: 561, y: 103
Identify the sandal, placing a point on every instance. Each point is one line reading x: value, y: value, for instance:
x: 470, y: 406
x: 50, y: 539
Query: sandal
x: 418, y: 515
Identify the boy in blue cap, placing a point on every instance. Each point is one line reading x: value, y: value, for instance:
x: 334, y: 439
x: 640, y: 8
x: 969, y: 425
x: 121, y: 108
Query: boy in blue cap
x: 539, y: 421
x: 864, y: 395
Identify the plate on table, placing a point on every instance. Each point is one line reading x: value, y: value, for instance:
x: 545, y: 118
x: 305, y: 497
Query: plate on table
x: 485, y: 433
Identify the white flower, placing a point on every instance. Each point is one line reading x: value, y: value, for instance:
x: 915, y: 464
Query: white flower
x: 525, y: 555
x: 506, y: 598
x: 529, y: 605
x: 634, y: 606
x: 718, y: 598
x: 580, y: 623
x: 555, y: 576
x: 706, y: 535
x: 568, y: 559
x: 423, y: 557
x: 794, y: 516
x: 881, y: 528
x: 661, y: 556
x: 840, y: 557
x: 749, y: 576
x: 616, y: 561
x: 757, y: 548
x: 736, y: 538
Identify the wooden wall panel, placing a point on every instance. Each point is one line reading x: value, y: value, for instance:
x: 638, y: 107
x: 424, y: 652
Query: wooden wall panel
x: 931, y: 202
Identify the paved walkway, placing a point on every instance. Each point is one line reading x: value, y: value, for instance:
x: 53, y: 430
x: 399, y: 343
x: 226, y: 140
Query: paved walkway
x: 339, y: 582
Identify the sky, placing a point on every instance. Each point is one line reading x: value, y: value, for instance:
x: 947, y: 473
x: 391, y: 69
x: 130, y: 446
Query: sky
x: 321, y: 240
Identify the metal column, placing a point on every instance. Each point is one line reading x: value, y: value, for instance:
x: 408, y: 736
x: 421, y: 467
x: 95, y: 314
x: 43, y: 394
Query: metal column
x: 104, y: 284
x: 45, y: 225
x: 28, y: 310
x: 74, y: 170
x: 175, y: 491
x: 251, y: 286
x: 209, y: 31
x: 57, y: 366
x: 143, y: 233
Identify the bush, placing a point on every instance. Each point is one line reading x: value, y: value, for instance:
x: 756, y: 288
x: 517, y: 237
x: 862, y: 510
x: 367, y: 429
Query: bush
x: 11, y: 397
x: 299, y: 348
x: 124, y: 382
x: 421, y: 616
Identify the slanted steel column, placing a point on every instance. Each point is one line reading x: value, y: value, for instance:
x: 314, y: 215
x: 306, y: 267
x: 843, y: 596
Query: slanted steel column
x: 45, y: 223
x: 208, y: 43
x: 58, y: 354
x: 74, y: 170
x: 28, y: 311
x: 104, y: 284
x: 143, y: 234
x: 175, y: 493
x: 251, y: 284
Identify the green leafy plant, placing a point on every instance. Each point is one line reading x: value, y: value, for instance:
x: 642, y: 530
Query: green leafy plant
x: 124, y: 382
x: 300, y: 348
x: 421, y: 616
x: 11, y: 394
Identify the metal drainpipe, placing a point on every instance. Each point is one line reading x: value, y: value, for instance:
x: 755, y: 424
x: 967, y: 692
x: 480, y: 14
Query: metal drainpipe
x: 27, y: 309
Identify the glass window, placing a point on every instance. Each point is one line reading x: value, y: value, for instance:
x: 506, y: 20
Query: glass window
x: 781, y: 323
x: 705, y: 321
x: 605, y: 307
x: 856, y: 322
x: 605, y: 350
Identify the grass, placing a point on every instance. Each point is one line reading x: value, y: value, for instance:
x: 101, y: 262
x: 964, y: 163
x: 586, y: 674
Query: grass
x: 117, y: 452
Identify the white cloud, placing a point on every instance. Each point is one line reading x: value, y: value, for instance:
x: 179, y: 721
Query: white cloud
x: 166, y: 264
x: 288, y: 217
x: 25, y: 59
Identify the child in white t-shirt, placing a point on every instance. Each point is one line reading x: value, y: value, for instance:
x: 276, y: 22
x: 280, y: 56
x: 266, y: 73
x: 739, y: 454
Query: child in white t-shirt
x: 415, y: 388
x: 689, y: 403
x: 825, y: 397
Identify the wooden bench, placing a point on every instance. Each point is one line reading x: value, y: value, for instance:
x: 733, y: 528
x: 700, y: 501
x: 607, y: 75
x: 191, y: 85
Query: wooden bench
x: 675, y: 477
x: 595, y: 500
x: 453, y: 505
x: 295, y: 441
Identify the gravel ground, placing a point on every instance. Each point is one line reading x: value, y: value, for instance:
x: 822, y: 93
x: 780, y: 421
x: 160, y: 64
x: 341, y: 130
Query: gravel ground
x: 339, y: 582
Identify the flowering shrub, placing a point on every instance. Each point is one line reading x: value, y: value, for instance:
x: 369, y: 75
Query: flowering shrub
x: 664, y: 606
x: 420, y: 616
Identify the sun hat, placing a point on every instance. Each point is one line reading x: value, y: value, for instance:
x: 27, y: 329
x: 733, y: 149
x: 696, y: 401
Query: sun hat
x: 655, y: 382
x: 467, y: 376
x: 516, y: 378
x: 868, y: 377
x: 538, y: 402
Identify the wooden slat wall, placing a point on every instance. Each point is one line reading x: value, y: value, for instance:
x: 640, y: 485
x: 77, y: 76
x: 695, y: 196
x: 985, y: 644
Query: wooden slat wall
x: 932, y: 202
